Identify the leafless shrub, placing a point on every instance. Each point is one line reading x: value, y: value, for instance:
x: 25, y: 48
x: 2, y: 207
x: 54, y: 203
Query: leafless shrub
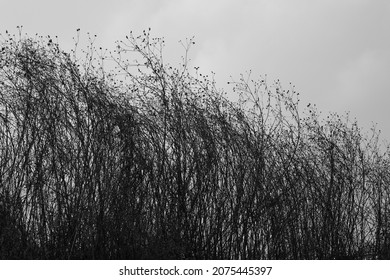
x: 149, y: 161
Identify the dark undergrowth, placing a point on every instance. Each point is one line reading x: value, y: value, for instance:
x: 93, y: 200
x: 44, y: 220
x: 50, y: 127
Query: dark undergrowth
x: 148, y: 161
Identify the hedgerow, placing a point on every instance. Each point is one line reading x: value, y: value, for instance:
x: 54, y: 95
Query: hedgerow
x: 149, y: 161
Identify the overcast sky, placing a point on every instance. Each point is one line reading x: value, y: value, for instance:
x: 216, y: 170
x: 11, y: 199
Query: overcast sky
x: 335, y: 52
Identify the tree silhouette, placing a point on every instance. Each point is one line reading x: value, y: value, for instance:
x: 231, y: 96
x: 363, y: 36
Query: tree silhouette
x: 149, y: 161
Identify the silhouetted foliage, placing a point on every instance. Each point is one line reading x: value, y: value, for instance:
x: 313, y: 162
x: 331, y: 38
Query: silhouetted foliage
x: 148, y: 161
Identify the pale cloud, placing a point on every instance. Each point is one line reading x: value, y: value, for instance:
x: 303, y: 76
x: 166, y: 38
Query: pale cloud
x: 363, y: 87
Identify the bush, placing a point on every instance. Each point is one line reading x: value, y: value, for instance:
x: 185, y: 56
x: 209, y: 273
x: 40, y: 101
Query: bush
x: 150, y: 162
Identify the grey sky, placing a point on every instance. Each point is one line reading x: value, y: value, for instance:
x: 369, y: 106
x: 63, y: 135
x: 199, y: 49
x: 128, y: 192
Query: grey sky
x: 336, y: 52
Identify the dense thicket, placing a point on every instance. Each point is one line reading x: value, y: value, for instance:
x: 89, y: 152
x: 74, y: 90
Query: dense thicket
x: 149, y: 161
